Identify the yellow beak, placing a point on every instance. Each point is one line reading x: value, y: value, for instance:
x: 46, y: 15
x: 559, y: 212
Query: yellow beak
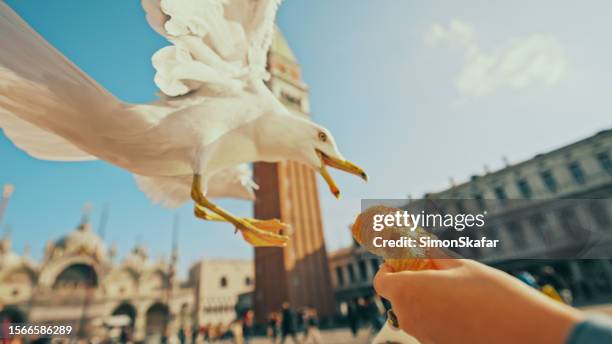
x: 343, y: 165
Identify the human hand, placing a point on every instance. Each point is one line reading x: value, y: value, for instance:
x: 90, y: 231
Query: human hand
x: 468, y: 302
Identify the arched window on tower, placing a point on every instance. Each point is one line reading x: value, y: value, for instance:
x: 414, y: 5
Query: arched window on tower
x: 223, y: 282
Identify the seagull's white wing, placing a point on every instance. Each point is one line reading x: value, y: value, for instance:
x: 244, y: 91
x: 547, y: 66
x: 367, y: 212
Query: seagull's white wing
x: 39, y: 143
x: 232, y: 182
x: 219, y: 45
x: 53, y: 110
x: 20, y: 71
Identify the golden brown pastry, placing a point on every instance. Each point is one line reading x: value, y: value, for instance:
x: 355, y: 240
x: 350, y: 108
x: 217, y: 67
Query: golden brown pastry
x: 399, y: 259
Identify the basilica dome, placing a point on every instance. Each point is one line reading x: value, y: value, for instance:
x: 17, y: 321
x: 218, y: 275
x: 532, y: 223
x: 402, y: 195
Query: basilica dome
x: 81, y: 241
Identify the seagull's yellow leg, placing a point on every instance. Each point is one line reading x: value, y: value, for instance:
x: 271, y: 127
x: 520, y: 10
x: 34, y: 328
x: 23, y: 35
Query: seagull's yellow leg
x: 256, y: 232
x: 201, y: 212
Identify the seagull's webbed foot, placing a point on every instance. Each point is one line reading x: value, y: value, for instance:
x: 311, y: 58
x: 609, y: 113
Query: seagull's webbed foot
x: 271, y: 225
x: 256, y: 232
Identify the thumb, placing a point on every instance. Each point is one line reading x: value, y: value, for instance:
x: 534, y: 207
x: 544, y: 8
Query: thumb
x: 385, y: 281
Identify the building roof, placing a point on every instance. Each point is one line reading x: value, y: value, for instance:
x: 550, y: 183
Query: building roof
x: 538, y: 156
x: 9, y: 259
x: 281, y: 47
x: 81, y: 240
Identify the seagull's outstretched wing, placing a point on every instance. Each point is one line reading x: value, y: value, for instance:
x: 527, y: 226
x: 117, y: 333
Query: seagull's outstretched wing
x: 39, y: 143
x: 232, y: 182
x: 50, y: 108
x: 23, y: 77
x: 219, y: 45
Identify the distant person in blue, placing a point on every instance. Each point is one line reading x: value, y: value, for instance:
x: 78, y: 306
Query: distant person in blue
x: 467, y: 302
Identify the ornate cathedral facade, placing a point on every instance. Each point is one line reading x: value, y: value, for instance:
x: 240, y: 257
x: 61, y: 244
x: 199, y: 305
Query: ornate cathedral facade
x: 77, y: 283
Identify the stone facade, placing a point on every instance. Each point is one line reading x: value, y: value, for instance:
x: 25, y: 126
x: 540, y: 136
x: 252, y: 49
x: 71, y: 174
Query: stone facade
x: 567, y: 188
x: 77, y: 283
x: 352, y: 271
x: 218, y: 284
x: 564, y: 200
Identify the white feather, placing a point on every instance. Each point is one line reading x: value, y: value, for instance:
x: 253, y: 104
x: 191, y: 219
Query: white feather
x: 217, y: 43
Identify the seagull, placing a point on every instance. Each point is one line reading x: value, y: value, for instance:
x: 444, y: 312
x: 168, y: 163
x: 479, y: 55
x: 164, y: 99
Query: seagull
x: 214, y: 111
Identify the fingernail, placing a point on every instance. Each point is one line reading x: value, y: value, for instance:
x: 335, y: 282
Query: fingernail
x: 392, y: 319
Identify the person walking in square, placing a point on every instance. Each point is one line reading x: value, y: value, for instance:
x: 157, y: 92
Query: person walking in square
x: 288, y: 323
x: 313, y: 335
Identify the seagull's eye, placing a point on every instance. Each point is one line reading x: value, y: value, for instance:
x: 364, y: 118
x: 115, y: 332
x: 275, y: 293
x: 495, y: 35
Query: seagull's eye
x: 322, y: 136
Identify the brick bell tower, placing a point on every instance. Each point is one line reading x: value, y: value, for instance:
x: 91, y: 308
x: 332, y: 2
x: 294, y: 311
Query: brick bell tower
x: 298, y: 273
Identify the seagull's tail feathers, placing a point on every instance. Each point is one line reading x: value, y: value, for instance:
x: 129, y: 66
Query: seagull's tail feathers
x: 172, y: 192
x: 48, y: 106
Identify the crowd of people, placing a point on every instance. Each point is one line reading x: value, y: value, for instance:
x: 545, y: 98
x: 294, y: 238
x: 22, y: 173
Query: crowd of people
x: 363, y: 312
x: 302, y: 326
x: 288, y: 323
x: 282, y: 326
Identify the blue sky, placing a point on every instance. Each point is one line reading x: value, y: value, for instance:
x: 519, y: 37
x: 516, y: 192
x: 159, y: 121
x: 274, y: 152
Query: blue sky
x: 415, y: 92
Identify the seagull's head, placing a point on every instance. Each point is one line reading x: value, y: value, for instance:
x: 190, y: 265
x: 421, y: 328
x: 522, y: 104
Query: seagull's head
x: 327, y: 154
x: 306, y: 142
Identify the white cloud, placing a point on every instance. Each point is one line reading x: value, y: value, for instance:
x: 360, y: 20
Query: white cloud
x: 457, y: 32
x: 514, y: 64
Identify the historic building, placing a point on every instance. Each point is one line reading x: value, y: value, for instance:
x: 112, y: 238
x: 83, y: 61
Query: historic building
x: 218, y: 284
x: 77, y: 283
x: 298, y: 273
x: 353, y: 269
x: 551, y: 213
